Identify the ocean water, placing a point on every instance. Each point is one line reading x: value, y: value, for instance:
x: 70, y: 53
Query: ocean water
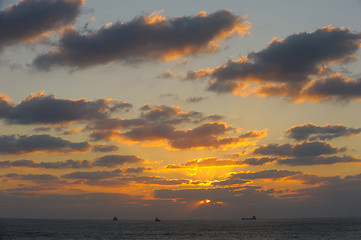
x: 175, y: 229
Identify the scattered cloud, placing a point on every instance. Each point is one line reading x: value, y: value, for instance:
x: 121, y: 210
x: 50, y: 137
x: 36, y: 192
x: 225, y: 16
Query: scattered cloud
x: 159, y: 123
x: 207, y: 162
x: 104, y: 148
x: 208, y: 135
x: 304, y: 149
x: 47, y: 179
x: 216, y: 162
x: 38, y: 108
x: 195, y: 99
x: 47, y: 165
x: 313, y: 132
x: 144, y: 38
x: 291, y: 67
x: 264, y: 174
x: 147, y: 180
x: 21, y: 144
x: 31, y: 20
x: 95, y: 175
x: 333, y: 87
x: 104, y: 161
x: 116, y: 160
x: 318, y: 160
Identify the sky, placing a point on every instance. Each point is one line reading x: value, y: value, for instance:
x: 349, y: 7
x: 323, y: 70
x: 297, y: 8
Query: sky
x: 180, y: 109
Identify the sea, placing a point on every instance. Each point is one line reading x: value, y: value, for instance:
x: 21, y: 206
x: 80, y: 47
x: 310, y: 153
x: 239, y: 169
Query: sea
x: 259, y: 229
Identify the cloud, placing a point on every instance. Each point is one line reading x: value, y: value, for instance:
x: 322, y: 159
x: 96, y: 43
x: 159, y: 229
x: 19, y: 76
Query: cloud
x: 195, y: 99
x: 21, y: 144
x: 207, y: 162
x: 121, y: 177
x: 304, y: 149
x: 30, y: 20
x: 48, y: 165
x: 343, y: 195
x: 38, y: 108
x: 333, y: 87
x: 116, y: 160
x: 312, y: 132
x: 43, y: 179
x: 159, y: 124
x: 287, y: 66
x: 144, y: 38
x: 167, y: 74
x: 230, y: 182
x: 207, y: 135
x: 150, y: 116
x: 318, y: 160
x: 215, y: 162
x: 163, y: 114
x: 105, y: 148
x: 97, y: 175
x: 258, y: 161
x: 104, y: 161
x: 241, y: 178
x: 147, y: 180
x: 264, y: 174
x: 95, y: 205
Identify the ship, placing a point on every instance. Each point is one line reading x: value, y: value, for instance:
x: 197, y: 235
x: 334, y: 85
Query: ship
x: 115, y: 218
x: 252, y: 218
x: 156, y: 220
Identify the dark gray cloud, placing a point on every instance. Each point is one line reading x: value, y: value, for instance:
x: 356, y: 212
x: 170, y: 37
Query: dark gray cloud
x: 105, y: 148
x: 215, y: 162
x: 258, y: 161
x: 42, y: 179
x: 150, y: 116
x: 312, y: 132
x: 230, y: 182
x: 334, y: 87
x: 48, y: 165
x: 342, y: 195
x: 21, y: 144
x: 304, y: 149
x: 116, y: 160
x: 30, y: 19
x: 143, y: 38
x: 207, y: 135
x: 195, y: 99
x: 264, y: 174
x: 96, y: 175
x: 148, y: 180
x: 318, y: 160
x: 206, y: 162
x: 104, y: 161
x: 211, y: 118
x: 158, y: 123
x: 286, y: 66
x: 163, y: 114
x: 31, y: 189
x: 241, y: 178
x: 38, y: 108
x: 95, y: 205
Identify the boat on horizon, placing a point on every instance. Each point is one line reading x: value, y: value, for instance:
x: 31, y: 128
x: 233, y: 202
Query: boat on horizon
x: 156, y: 219
x: 115, y: 218
x: 252, y: 218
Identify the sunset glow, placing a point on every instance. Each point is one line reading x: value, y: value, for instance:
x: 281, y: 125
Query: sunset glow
x: 210, y: 109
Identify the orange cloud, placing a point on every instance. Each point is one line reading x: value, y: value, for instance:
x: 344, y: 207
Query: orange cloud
x: 154, y: 18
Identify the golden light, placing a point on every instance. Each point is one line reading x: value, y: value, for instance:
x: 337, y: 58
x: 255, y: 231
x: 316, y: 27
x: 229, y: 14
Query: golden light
x: 205, y: 201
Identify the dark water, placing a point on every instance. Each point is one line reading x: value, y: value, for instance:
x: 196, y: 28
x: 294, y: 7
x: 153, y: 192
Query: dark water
x: 192, y: 229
